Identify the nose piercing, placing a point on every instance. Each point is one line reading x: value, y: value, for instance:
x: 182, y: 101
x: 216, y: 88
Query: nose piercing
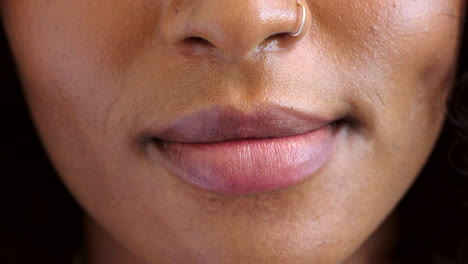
x: 302, y: 21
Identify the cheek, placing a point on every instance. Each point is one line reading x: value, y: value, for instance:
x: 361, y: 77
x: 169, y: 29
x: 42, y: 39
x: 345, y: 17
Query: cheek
x: 76, y: 52
x: 72, y: 62
x: 397, y: 55
x: 72, y: 82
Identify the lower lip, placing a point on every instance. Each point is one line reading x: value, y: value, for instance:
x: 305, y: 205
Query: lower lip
x: 250, y: 165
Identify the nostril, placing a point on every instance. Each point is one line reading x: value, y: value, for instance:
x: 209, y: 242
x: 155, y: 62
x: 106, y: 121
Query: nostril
x: 277, y: 36
x: 231, y: 31
x: 278, y: 40
x: 198, y: 41
x: 195, y: 45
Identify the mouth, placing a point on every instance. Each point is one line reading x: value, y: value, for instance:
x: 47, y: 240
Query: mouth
x: 228, y: 151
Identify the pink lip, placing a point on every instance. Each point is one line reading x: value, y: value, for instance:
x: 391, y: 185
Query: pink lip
x: 228, y: 151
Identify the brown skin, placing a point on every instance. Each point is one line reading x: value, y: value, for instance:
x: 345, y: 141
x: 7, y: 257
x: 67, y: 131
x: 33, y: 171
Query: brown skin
x: 98, y: 72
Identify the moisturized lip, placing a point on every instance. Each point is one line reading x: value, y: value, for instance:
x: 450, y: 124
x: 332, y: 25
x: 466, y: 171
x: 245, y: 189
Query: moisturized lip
x: 232, y: 152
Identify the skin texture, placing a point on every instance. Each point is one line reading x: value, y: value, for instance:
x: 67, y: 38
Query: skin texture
x: 96, y: 73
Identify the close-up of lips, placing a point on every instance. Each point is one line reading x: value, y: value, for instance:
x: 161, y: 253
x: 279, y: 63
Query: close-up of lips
x: 234, y: 132
x: 228, y: 151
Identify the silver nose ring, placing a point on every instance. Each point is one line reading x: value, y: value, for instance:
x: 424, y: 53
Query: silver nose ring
x: 301, y: 27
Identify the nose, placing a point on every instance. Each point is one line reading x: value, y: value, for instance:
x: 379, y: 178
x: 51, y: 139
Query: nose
x: 236, y: 29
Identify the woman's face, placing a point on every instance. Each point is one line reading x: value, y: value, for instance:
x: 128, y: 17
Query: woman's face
x: 197, y: 131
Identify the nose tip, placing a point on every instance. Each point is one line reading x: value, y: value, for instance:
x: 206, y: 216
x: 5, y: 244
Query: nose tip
x: 236, y: 29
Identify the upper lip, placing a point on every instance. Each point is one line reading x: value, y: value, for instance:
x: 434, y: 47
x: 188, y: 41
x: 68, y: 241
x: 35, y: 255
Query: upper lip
x: 219, y: 124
